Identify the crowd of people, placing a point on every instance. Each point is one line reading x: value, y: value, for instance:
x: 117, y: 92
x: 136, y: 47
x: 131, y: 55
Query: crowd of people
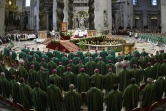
x: 55, y: 80
x: 4, y: 39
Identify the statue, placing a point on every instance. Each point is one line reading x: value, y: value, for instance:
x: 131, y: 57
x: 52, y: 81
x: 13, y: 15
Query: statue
x: 82, y: 23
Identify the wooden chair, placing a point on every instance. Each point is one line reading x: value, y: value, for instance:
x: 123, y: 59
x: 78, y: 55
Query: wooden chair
x: 153, y: 106
x: 142, y: 87
x: 136, y: 109
x: 83, y: 95
x: 19, y: 106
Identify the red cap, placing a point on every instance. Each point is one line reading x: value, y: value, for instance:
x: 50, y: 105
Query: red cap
x: 164, y: 60
x: 60, y: 63
x: 110, y: 61
x: 43, y: 59
x: 96, y: 70
x: 82, y: 69
x: 124, y: 66
x: 54, y: 71
x: 68, y: 68
x: 32, y: 66
x: 110, y: 69
x: 134, y: 65
x: 80, y: 61
x: 149, y: 63
x: 70, y: 61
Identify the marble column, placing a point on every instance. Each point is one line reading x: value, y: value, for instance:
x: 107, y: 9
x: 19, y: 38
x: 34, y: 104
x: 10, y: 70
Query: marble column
x: 65, y: 11
x: 54, y: 15
x: 163, y: 16
x: 109, y: 12
x: 37, y: 14
x: 2, y: 17
x: 32, y: 15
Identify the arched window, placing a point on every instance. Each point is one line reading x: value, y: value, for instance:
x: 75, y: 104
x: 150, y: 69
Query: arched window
x: 28, y: 3
x: 154, y: 2
x: 135, y: 2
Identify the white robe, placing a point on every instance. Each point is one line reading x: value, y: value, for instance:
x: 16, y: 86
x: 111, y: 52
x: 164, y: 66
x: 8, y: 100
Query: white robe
x: 119, y: 67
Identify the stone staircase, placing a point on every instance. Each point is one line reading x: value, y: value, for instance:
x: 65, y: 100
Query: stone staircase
x: 69, y: 45
x: 47, y: 41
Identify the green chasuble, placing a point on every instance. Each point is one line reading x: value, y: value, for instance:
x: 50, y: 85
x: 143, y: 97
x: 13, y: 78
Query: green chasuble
x: 118, y: 57
x: 60, y: 70
x: 163, y: 69
x: 90, y: 67
x: 135, y: 73
x: 23, y: 73
x: 32, y: 78
x: 142, y: 63
x: 65, y: 61
x: 57, y: 54
x: 12, y: 72
x: 39, y: 99
x: 98, y: 79
x: 112, y: 66
x: 80, y: 55
x: 124, y: 79
x: 101, y: 67
x: 82, y: 82
x: 73, y: 68
x: 114, y: 100
x: 134, y: 60
x: 112, y: 52
x: 37, y: 57
x: 7, y: 74
x: 49, y: 54
x: 86, y: 59
x: 51, y: 66
x: 43, y: 76
x: 38, y: 52
x: 143, y: 53
x: 137, y: 53
x: 149, y: 73
x: 78, y: 67
x: 159, y: 88
x: 131, y: 96
x: 56, y: 60
x: 147, y: 59
x: 109, y: 57
x: 76, y: 60
x: 68, y: 78
x: 158, y: 69
x: 58, y: 80
x: 14, y: 55
x: 4, y: 83
x: 94, y: 98
x: 45, y: 65
x: 109, y: 80
x: 129, y: 56
x: 14, y: 89
x: 36, y: 65
x: 103, y: 54
x: 54, y: 98
x: 148, y: 95
x: 94, y: 55
x: 71, y: 56
x: 72, y: 101
x: 25, y: 95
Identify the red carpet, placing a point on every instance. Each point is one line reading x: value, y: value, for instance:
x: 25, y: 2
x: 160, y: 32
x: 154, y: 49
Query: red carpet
x: 64, y: 44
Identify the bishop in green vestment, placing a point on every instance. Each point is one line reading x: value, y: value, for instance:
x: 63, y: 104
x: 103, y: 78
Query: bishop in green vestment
x: 94, y: 98
x: 82, y: 81
x: 163, y: 68
x: 79, y: 66
x: 134, y: 60
x: 72, y: 100
x: 76, y: 59
x: 109, y: 80
x: 148, y: 93
x: 72, y: 66
x: 60, y: 69
x: 51, y: 66
x: 65, y: 61
x: 14, y: 55
x: 54, y: 97
x: 4, y: 83
x: 135, y: 73
x: 23, y: 72
x: 101, y: 66
x: 159, y: 86
x: 90, y: 67
x: 43, y: 63
x: 142, y: 63
x: 71, y: 55
x: 157, y: 69
x: 143, y: 53
x: 32, y: 77
x: 131, y: 95
x: 14, y: 89
x: 49, y: 54
x: 57, y: 79
x: 114, y: 99
x: 97, y: 78
x: 109, y: 57
x: 39, y: 98
x: 68, y: 78
x: 149, y: 72
x: 124, y: 78
x: 25, y: 94
x: 103, y: 54
x: 110, y: 65
x: 80, y: 54
x: 12, y: 71
x: 36, y: 64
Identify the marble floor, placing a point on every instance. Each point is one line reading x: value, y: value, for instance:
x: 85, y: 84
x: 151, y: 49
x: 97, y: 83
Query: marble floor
x: 138, y: 44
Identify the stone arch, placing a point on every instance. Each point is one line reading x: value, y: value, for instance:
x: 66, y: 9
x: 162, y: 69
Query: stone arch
x: 154, y: 21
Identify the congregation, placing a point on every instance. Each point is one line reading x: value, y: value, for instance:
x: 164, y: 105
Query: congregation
x: 55, y: 81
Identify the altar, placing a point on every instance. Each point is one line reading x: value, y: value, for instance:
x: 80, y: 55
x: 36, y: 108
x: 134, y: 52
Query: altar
x: 80, y: 33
